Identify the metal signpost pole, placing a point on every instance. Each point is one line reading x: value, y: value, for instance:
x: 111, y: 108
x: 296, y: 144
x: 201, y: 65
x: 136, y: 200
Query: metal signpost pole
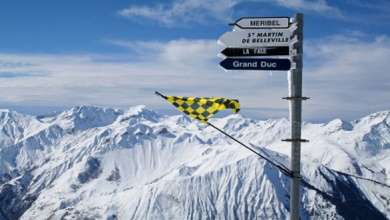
x: 254, y: 39
x: 295, y: 93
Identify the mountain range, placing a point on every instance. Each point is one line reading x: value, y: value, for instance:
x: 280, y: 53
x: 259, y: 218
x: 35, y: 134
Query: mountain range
x: 100, y: 163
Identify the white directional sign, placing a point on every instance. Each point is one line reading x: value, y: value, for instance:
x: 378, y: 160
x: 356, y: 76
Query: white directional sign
x: 262, y: 22
x: 256, y: 38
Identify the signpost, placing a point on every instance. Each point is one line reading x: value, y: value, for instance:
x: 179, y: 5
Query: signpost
x: 295, y: 97
x: 256, y: 64
x: 256, y: 51
x: 266, y: 37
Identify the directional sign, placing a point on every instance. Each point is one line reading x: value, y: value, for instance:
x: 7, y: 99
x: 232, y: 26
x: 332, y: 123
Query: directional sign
x: 256, y: 38
x: 262, y: 22
x: 255, y: 64
x: 256, y: 51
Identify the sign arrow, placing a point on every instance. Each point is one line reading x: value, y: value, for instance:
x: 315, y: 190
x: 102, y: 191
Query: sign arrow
x: 262, y: 22
x: 255, y: 64
x: 256, y: 38
x: 256, y: 51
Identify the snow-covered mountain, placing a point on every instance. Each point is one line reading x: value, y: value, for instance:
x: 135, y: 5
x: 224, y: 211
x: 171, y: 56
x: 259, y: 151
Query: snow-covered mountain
x: 99, y: 163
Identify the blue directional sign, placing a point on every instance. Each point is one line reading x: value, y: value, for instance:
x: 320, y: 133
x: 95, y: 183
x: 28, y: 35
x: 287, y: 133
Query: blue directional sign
x: 255, y: 64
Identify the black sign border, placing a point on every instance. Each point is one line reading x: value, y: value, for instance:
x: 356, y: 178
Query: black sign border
x: 287, y: 48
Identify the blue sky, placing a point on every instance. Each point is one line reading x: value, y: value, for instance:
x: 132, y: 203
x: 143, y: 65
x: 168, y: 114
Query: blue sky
x: 57, y: 54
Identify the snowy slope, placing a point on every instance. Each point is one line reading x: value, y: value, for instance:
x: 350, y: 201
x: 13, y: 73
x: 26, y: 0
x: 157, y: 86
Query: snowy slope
x: 100, y: 163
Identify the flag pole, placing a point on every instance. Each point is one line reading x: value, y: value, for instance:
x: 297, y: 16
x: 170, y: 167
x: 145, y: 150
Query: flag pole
x: 159, y: 94
x: 282, y: 168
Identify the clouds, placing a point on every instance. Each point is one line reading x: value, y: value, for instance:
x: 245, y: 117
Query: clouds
x: 178, y: 67
x: 345, y: 76
x: 103, y: 80
x: 350, y: 75
x: 320, y: 6
x: 18, y: 74
x: 175, y: 52
x: 183, y: 11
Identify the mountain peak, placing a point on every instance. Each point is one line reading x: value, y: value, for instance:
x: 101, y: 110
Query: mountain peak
x: 338, y: 124
x: 86, y: 109
x: 135, y: 110
x: 140, y: 111
x: 6, y: 115
x: 373, y: 119
x: 84, y: 117
x: 8, y: 112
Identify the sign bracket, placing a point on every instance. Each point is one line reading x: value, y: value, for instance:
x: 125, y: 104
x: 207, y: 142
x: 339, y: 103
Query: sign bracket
x: 296, y: 98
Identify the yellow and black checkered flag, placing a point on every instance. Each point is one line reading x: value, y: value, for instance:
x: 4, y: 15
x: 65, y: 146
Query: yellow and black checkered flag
x: 202, y: 108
